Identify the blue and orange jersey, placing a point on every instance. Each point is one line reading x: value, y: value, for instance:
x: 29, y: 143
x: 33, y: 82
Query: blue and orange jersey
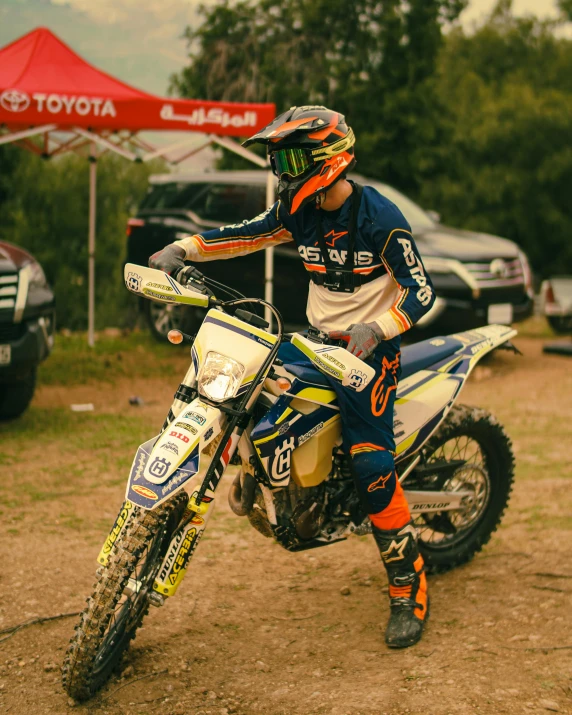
x: 396, y: 290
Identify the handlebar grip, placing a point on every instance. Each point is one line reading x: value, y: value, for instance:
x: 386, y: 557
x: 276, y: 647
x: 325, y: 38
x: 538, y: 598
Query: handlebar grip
x: 183, y: 275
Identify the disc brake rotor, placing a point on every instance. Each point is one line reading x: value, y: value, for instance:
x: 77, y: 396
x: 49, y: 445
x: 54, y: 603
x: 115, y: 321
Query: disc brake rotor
x: 444, y: 528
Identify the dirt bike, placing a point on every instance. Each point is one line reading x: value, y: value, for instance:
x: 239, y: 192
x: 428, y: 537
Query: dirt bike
x: 238, y: 401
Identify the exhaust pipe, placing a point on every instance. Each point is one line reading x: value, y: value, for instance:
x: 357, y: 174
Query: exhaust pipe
x: 241, y: 495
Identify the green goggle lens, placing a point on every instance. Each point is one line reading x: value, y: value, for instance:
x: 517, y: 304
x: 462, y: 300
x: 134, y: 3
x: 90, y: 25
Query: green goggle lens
x: 291, y: 161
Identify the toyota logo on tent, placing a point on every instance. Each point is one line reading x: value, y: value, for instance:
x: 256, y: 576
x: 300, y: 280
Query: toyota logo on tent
x: 14, y: 101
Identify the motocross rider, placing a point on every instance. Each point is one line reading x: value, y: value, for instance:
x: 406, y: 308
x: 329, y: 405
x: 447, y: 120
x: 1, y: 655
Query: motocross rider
x: 367, y: 287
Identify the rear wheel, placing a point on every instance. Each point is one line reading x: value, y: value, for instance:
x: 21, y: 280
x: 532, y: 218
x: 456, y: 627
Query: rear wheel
x: 120, y: 599
x: 561, y: 324
x: 475, y: 439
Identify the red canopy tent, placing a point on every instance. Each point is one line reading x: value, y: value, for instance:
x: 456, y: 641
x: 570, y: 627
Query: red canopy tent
x: 49, y: 93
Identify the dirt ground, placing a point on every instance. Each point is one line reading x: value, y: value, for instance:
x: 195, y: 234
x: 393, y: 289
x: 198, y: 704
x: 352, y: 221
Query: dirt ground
x: 257, y: 630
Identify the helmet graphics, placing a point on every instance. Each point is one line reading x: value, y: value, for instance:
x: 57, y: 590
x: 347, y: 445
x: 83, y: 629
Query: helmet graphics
x: 310, y: 148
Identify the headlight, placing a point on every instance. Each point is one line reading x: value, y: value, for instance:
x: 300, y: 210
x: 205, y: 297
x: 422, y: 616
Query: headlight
x: 36, y: 276
x: 220, y: 377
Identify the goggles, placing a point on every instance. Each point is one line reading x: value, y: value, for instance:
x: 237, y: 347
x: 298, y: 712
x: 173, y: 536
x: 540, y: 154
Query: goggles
x: 290, y: 162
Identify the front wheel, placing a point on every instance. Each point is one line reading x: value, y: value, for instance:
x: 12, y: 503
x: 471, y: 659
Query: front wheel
x: 120, y: 599
x: 477, y: 441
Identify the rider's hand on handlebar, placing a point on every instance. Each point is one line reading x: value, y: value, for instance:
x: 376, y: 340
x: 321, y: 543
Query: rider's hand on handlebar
x: 170, y: 259
x: 362, y: 339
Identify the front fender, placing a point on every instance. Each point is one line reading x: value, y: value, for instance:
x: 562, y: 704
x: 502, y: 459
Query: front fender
x: 164, y: 463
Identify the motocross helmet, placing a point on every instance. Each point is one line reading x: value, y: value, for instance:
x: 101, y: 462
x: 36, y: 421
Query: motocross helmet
x: 310, y: 148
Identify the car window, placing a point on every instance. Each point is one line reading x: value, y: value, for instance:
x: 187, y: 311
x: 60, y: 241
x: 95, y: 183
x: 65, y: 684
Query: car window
x: 224, y: 203
x: 229, y: 203
x: 416, y: 217
x: 161, y: 196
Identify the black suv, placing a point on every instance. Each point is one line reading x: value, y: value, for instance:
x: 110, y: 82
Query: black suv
x: 27, y: 321
x: 478, y: 278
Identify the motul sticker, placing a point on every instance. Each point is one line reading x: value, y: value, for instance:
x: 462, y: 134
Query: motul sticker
x: 144, y: 491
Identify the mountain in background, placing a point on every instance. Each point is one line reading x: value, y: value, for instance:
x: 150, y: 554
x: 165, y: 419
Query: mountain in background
x: 137, y: 42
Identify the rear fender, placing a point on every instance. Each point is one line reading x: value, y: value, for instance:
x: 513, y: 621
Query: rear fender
x: 424, y: 398
x: 163, y: 464
x: 476, y: 344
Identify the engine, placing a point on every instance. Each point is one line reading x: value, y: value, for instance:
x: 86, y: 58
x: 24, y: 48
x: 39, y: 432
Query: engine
x: 312, y: 516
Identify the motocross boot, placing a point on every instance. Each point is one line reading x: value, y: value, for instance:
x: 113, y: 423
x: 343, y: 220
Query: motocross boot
x: 408, y: 598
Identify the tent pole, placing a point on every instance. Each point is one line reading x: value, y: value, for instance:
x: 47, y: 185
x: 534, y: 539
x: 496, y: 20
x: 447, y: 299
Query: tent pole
x: 269, y: 255
x: 91, y: 247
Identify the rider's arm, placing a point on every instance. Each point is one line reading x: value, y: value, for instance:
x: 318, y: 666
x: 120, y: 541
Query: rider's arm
x: 403, y: 263
x: 237, y: 240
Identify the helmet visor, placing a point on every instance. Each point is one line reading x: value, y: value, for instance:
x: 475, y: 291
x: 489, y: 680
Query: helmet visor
x: 292, y: 162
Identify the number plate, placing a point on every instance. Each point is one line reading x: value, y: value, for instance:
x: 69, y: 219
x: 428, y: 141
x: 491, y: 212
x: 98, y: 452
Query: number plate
x: 501, y: 313
x: 5, y: 354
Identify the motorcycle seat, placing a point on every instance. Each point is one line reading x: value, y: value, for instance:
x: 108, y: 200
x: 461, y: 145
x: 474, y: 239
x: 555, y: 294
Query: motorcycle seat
x: 423, y: 355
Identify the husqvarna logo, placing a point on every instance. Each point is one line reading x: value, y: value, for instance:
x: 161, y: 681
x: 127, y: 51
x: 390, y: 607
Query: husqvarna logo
x: 281, y: 463
x: 356, y: 379
x: 133, y: 282
x: 159, y: 467
x: 12, y: 100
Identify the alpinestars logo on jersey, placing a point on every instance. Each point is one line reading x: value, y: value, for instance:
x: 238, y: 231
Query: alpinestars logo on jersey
x: 416, y: 269
x: 312, y: 254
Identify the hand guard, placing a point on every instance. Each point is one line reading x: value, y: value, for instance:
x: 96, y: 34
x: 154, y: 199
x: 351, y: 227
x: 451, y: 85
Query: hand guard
x: 169, y: 259
x: 362, y: 339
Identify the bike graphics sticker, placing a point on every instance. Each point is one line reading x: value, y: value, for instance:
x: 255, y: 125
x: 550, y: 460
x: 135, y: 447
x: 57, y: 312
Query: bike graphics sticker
x: 275, y: 440
x: 147, y: 495
x: 133, y: 282
x: 280, y: 461
x: 355, y: 380
x: 159, y: 467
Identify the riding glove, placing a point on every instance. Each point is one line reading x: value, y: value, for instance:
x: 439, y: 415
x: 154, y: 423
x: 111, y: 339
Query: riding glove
x: 362, y: 339
x: 169, y: 259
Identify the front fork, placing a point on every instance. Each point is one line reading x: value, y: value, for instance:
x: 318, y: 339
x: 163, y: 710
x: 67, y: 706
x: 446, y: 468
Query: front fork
x: 183, y: 544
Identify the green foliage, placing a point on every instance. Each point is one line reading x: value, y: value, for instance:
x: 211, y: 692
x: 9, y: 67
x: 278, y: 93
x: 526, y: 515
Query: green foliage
x: 370, y: 60
x: 136, y: 355
x: 45, y: 207
x: 479, y: 127
x: 508, y: 169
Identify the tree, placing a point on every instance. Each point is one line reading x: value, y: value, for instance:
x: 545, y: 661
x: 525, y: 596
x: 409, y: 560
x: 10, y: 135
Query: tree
x: 371, y: 60
x: 45, y: 210
x: 507, y: 90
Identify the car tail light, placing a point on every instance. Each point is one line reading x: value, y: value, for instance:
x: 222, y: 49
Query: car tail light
x: 133, y: 223
x: 549, y: 296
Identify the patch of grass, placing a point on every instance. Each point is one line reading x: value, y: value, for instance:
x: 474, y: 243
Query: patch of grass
x: 73, y: 362
x: 536, y: 517
x: 72, y: 521
x: 82, y: 430
x: 535, y: 327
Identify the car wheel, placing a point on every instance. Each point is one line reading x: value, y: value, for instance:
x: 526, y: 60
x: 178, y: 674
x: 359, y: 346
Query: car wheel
x: 561, y: 324
x: 161, y: 318
x: 16, y: 395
